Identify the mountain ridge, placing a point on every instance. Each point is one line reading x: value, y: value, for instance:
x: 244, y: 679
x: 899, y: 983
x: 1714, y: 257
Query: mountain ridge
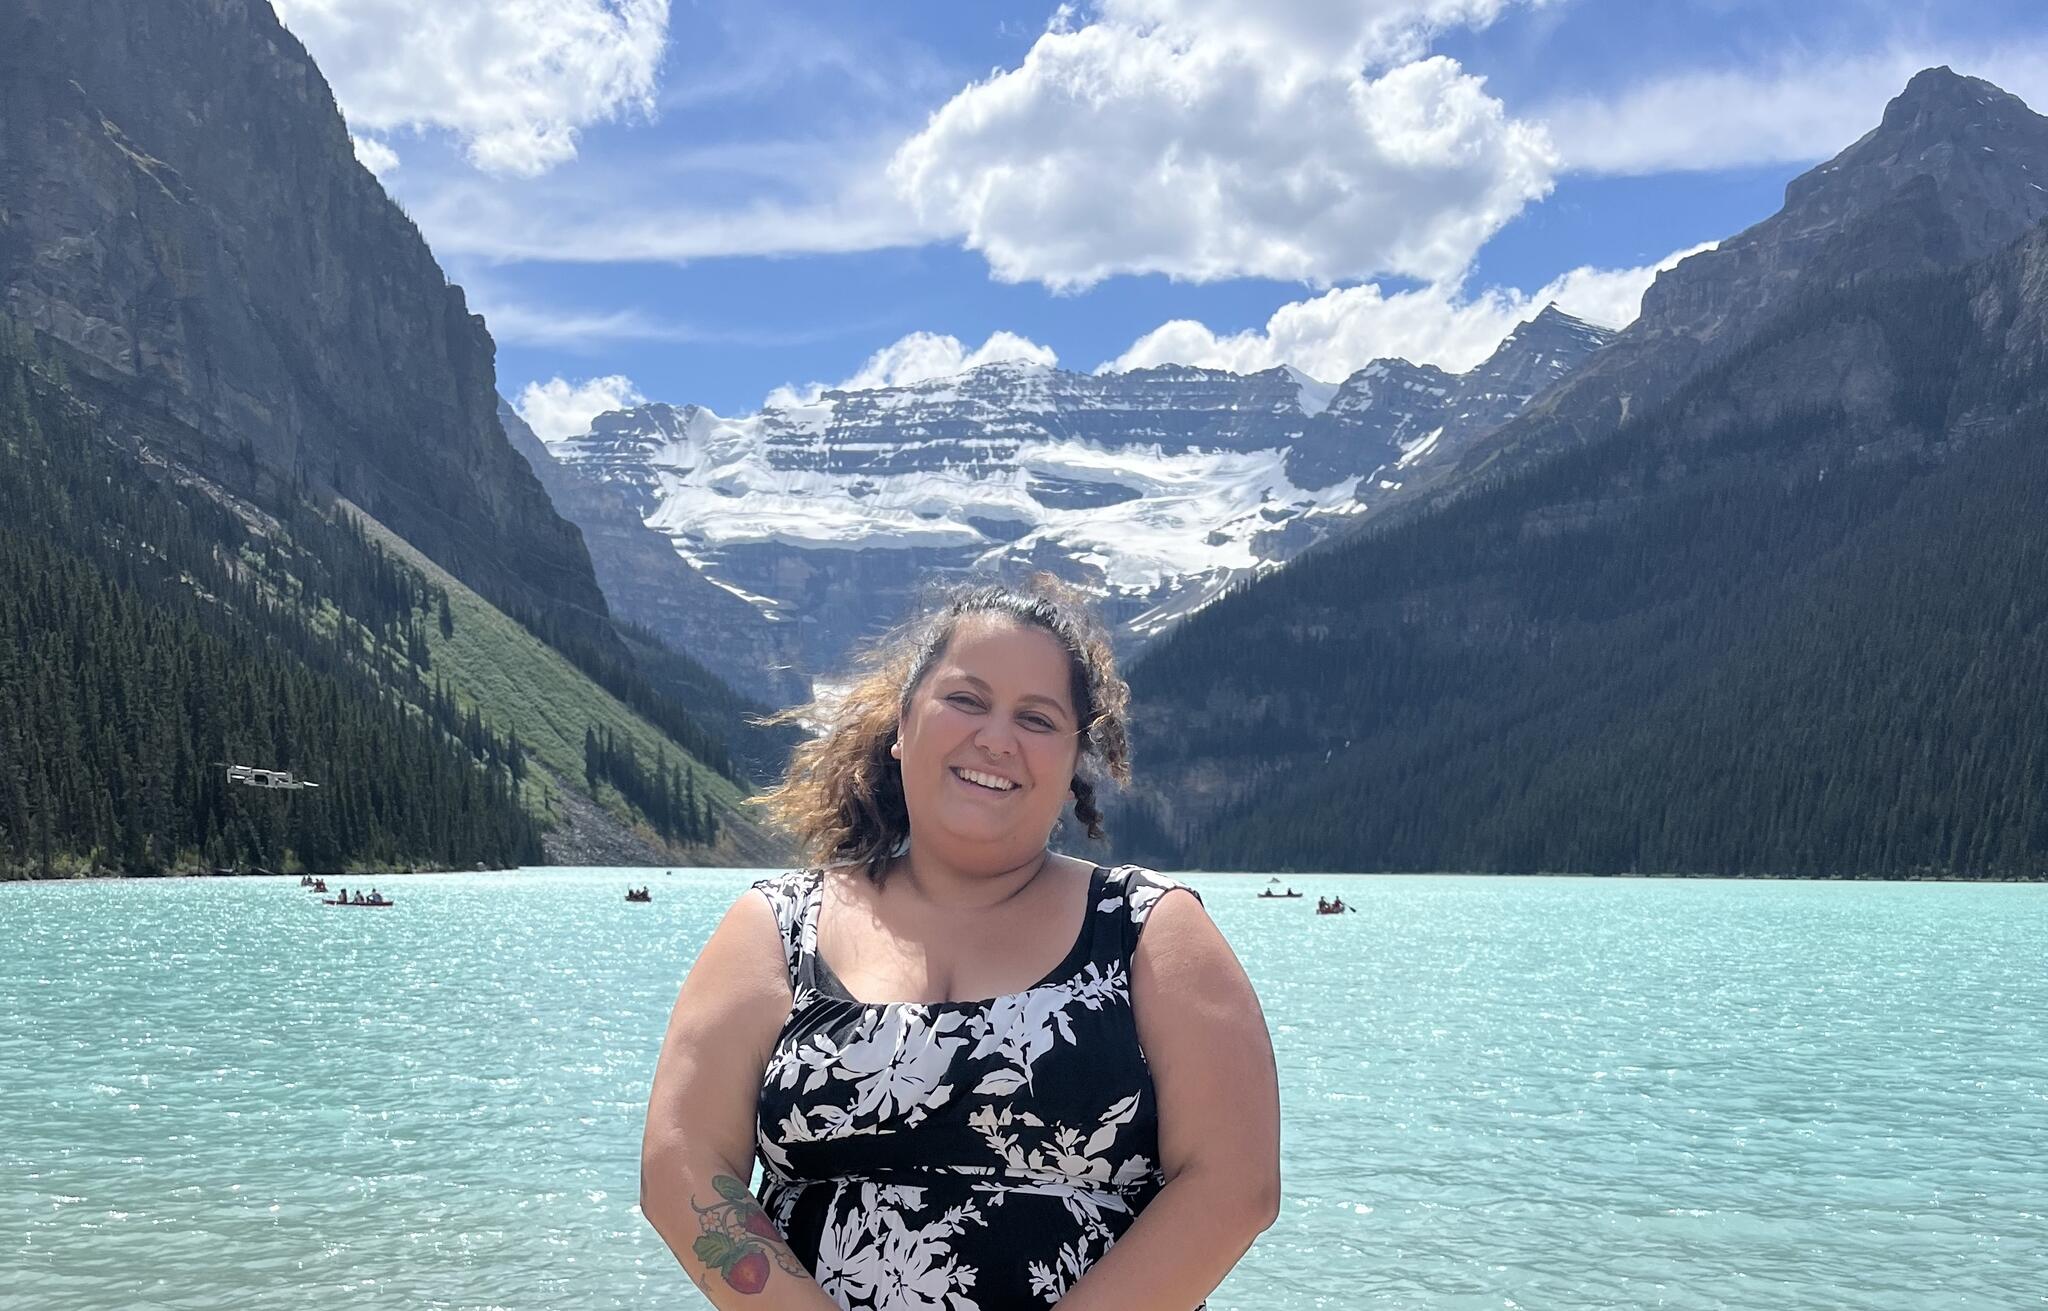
x: 1781, y: 624
x: 186, y: 222
x: 190, y: 248
x: 1955, y: 169
x: 1156, y: 487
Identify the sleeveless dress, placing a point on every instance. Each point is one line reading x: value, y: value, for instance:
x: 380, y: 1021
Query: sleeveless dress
x: 960, y: 1156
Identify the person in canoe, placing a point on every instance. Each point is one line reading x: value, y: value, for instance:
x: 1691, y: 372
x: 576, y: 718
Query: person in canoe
x: 1091, y: 1115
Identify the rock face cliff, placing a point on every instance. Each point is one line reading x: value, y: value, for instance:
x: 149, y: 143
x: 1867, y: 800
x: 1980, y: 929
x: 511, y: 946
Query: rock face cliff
x: 1956, y: 169
x: 183, y: 222
x: 1789, y: 624
x: 1156, y: 489
x: 1783, y: 618
x: 647, y: 583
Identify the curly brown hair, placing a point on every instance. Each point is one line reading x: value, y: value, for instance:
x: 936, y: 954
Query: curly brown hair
x: 842, y: 795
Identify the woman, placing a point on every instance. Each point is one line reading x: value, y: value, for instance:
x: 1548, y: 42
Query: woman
x: 966, y: 1072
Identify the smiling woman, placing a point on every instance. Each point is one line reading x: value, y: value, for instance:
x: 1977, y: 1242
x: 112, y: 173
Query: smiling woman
x: 973, y: 1078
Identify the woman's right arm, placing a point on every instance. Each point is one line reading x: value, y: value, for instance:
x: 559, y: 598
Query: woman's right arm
x: 698, y: 1151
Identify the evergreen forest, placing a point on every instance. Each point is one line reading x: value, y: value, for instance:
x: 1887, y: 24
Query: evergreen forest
x: 152, y: 632
x: 1754, y: 632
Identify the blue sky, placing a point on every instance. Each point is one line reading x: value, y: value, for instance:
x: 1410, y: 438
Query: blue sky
x: 722, y: 203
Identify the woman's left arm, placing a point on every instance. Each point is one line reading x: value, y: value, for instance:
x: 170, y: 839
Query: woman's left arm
x: 1219, y: 1120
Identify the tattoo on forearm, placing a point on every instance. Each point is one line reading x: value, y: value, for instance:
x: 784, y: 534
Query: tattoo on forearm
x: 739, y: 1240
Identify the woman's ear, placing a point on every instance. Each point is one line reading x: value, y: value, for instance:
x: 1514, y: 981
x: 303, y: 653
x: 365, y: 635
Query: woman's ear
x: 896, y: 748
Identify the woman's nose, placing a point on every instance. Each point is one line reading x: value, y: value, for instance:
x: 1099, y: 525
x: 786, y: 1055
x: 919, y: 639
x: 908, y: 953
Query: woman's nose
x: 997, y: 739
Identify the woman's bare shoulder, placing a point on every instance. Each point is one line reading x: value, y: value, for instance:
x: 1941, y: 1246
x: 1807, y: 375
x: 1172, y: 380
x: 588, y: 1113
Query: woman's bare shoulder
x: 749, y: 951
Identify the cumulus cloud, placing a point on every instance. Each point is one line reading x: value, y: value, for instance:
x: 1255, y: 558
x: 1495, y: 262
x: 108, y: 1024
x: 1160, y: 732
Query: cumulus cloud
x: 374, y: 155
x: 1339, y: 332
x: 1353, y: 33
x: 1204, y: 140
x: 1796, y: 110
x: 515, y: 79
x: 559, y: 409
x: 920, y: 357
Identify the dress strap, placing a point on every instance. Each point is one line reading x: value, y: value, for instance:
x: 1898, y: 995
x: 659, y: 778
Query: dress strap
x: 1129, y: 894
x: 794, y: 898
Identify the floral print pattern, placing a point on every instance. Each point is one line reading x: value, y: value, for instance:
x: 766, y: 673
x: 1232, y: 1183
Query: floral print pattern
x: 960, y: 1156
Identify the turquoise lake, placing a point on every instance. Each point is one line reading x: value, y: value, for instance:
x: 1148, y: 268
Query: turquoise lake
x: 1497, y: 1092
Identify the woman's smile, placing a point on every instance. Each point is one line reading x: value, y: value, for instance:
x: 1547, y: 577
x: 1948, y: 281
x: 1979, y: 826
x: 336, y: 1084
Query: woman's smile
x: 981, y: 781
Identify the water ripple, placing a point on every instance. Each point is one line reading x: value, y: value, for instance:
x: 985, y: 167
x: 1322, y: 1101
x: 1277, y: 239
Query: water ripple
x: 1498, y: 1093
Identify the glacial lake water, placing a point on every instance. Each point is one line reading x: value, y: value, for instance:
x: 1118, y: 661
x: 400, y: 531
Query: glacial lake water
x: 1497, y: 1092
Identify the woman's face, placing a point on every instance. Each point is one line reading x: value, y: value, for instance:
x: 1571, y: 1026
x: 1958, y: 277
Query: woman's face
x: 989, y: 742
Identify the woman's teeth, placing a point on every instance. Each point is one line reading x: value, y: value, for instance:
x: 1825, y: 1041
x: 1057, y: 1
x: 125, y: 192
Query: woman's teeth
x: 989, y: 781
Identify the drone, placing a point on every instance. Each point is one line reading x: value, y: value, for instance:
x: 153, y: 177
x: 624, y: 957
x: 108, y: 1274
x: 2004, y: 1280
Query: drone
x: 267, y: 778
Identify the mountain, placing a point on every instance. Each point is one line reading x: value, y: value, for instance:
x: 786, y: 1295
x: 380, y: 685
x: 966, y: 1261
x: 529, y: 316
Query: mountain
x: 1956, y: 169
x: 649, y: 584
x: 220, y: 307
x: 1157, y: 488
x: 1785, y: 619
x: 187, y: 228
x: 157, y: 633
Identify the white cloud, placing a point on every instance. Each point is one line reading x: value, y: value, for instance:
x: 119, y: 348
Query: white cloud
x: 515, y: 79
x: 606, y: 214
x: 1303, y: 139
x: 374, y: 155
x: 1183, y: 137
x: 559, y: 409
x: 920, y: 357
x: 575, y: 329
x: 1339, y: 332
x: 1802, y: 109
x: 1349, y: 33
x: 1611, y: 298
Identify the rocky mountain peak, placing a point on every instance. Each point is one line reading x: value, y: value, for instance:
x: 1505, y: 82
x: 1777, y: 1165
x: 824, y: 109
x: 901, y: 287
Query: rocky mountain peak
x: 1955, y: 170
x: 1550, y: 316
x: 1155, y: 487
x: 1941, y: 98
x: 1549, y: 329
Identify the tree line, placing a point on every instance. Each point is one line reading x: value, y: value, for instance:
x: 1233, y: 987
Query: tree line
x: 666, y: 794
x: 1748, y: 634
x: 149, y: 636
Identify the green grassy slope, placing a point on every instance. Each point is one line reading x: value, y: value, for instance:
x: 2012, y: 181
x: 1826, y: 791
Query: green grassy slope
x: 521, y: 685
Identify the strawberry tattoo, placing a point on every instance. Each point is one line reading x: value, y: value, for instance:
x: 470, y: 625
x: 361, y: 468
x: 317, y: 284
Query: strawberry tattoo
x: 749, y: 1274
x: 739, y: 1238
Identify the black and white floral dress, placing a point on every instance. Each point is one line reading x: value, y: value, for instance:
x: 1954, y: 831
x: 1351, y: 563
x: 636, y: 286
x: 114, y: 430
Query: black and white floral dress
x: 961, y: 1156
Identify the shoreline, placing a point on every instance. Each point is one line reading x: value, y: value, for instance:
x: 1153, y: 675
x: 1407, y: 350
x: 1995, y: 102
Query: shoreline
x: 1283, y: 874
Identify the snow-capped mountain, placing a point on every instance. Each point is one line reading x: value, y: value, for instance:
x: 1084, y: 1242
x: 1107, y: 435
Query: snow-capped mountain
x: 1155, y: 488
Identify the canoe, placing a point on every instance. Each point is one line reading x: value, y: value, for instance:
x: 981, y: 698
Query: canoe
x: 329, y: 901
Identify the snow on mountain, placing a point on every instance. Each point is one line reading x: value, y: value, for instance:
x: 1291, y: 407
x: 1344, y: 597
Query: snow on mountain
x: 1312, y: 394
x: 1155, y: 488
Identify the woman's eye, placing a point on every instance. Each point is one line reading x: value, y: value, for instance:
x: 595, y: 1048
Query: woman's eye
x: 962, y: 699
x: 1039, y: 721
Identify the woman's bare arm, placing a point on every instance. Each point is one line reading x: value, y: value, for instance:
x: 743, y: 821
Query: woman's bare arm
x: 698, y: 1151
x: 1219, y: 1120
